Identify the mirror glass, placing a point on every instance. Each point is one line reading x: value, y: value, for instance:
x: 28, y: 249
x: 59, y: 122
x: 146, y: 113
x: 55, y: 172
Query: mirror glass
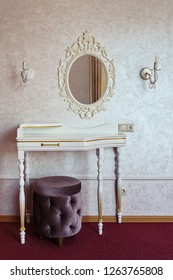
x: 87, y: 79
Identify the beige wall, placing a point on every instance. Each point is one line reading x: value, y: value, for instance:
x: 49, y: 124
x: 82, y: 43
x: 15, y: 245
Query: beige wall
x: 133, y: 32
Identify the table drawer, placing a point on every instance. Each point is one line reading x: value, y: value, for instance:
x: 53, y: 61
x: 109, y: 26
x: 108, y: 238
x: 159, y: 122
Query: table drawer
x: 48, y: 145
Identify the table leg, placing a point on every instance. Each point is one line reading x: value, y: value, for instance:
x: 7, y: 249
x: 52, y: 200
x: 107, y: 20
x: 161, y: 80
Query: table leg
x: 27, y: 189
x: 21, y: 196
x: 99, y: 153
x: 119, y: 211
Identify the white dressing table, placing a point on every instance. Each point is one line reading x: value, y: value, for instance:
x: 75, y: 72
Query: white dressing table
x: 58, y: 137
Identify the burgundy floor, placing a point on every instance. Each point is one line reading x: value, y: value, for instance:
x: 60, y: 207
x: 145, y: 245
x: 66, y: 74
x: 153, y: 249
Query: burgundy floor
x: 126, y: 241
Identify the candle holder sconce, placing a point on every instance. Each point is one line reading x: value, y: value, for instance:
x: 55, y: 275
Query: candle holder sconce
x: 150, y: 74
x: 26, y: 73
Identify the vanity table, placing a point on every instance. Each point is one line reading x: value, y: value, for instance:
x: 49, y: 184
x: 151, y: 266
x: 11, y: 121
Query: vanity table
x: 60, y: 137
x: 86, y: 81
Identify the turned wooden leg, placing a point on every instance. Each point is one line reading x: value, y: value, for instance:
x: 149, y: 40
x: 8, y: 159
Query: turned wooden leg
x: 27, y: 189
x: 119, y: 210
x: 99, y: 153
x: 21, y: 196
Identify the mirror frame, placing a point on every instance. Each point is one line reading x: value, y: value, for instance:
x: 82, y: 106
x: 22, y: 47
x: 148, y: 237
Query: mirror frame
x: 85, y: 44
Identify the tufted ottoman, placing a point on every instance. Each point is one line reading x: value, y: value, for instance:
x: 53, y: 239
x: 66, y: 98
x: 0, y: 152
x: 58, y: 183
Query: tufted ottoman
x: 57, y: 204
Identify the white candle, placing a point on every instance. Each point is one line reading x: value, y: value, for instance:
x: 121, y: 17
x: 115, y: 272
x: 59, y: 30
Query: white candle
x: 24, y: 64
x: 156, y: 63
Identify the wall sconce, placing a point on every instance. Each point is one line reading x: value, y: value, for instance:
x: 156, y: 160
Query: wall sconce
x: 26, y: 73
x: 150, y: 74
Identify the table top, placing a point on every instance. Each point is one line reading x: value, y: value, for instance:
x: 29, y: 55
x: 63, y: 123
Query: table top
x: 57, y: 131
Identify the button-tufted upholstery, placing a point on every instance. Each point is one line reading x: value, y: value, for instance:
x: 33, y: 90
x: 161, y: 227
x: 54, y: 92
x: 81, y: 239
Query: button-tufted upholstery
x: 57, y: 206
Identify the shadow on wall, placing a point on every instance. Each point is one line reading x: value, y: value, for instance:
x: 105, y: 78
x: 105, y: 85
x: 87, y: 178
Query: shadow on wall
x: 8, y: 136
x: 8, y: 152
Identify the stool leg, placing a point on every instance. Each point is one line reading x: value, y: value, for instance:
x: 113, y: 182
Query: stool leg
x: 59, y: 241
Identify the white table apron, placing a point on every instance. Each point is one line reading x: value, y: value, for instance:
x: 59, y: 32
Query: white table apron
x: 56, y: 137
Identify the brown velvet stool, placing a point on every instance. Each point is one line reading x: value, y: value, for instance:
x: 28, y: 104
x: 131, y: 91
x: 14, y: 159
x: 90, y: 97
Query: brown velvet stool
x: 57, y: 207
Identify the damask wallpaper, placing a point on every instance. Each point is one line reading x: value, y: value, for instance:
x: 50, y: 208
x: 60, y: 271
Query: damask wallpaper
x: 134, y: 33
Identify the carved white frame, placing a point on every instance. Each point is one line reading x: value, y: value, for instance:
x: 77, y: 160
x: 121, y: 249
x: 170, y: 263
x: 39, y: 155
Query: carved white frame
x: 85, y: 44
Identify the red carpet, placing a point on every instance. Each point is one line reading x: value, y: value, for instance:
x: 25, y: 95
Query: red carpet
x: 126, y: 241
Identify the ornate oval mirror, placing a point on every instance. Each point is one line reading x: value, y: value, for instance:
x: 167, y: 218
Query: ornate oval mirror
x: 86, y: 77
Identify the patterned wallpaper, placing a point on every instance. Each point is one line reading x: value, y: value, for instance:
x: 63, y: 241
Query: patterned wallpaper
x: 133, y: 32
